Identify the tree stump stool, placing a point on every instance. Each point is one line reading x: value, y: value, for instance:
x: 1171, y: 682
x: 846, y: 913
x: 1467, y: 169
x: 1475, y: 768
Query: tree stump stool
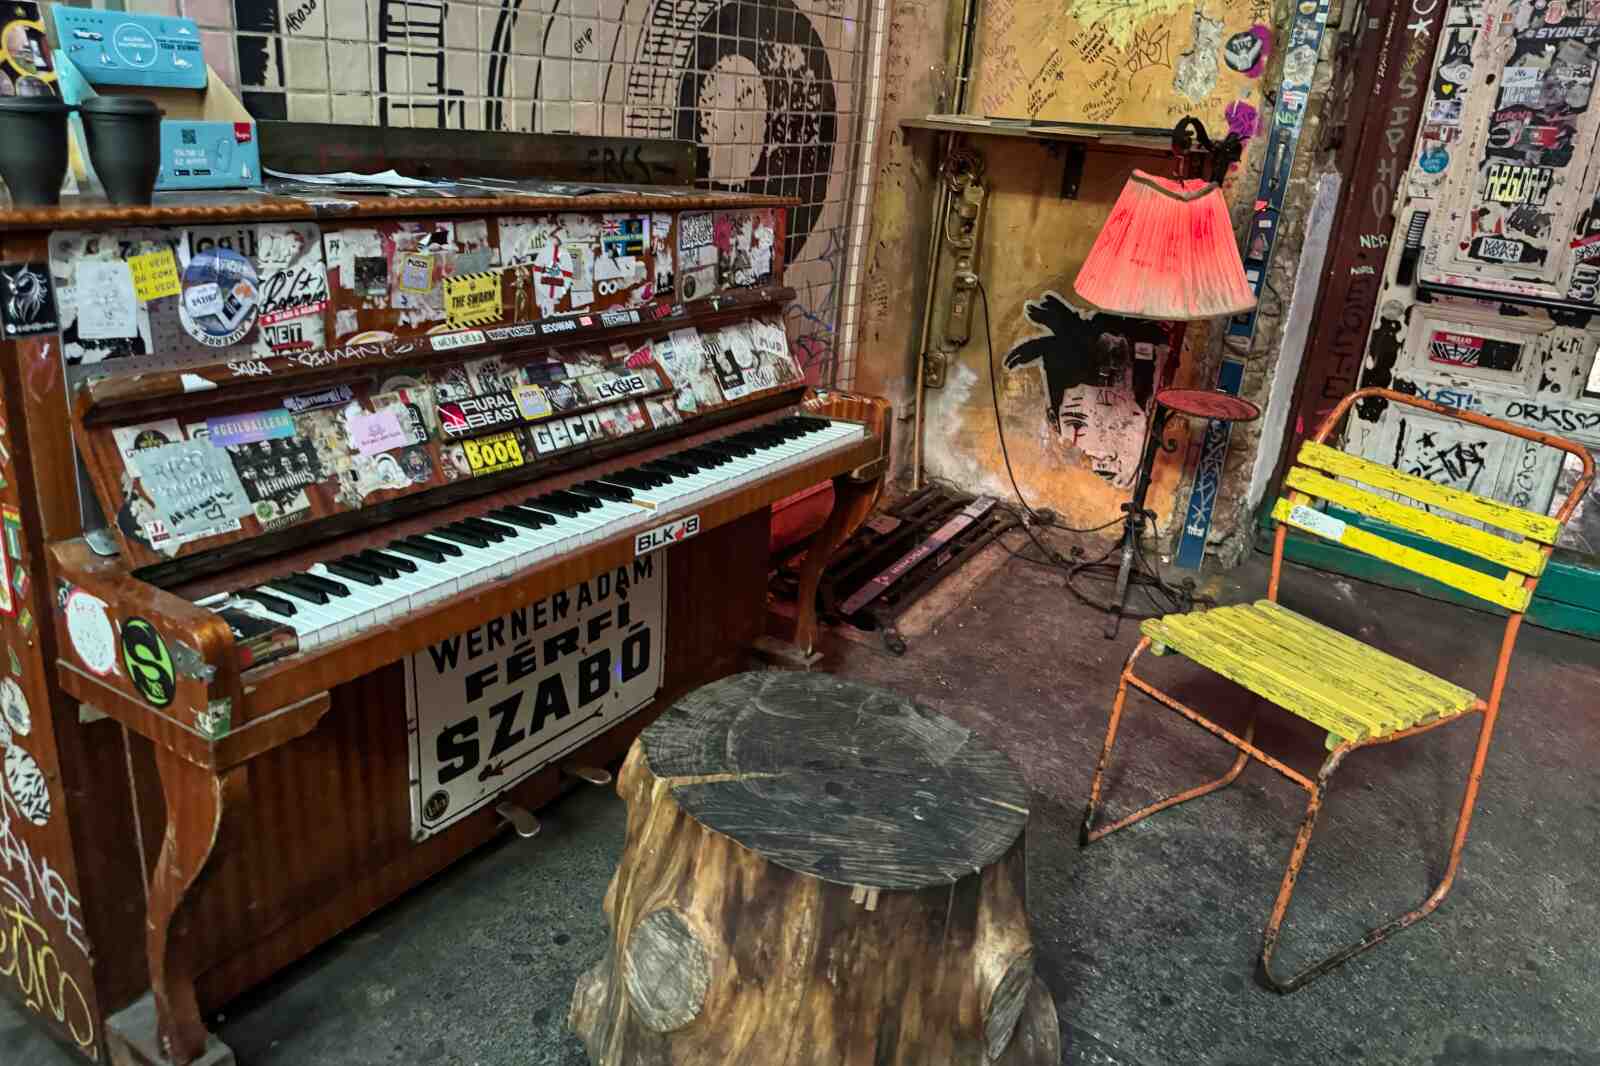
x: 817, y: 873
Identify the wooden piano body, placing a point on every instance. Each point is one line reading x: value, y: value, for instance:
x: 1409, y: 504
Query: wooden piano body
x: 184, y: 814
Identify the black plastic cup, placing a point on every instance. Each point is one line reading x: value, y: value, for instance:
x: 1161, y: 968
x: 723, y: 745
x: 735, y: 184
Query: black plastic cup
x: 124, y: 134
x: 33, y: 148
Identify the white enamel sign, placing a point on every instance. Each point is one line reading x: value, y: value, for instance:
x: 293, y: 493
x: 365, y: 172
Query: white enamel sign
x: 491, y: 706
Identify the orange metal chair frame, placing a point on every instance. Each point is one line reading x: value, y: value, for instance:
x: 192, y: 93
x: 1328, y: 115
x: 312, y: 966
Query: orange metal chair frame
x: 1317, y: 788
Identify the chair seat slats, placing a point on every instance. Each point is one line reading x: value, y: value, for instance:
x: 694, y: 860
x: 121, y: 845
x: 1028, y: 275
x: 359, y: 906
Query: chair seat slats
x: 1350, y: 689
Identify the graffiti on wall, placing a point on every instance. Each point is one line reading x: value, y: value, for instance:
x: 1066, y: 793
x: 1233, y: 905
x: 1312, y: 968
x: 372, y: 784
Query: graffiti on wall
x: 31, y: 889
x: 762, y: 89
x: 1099, y: 372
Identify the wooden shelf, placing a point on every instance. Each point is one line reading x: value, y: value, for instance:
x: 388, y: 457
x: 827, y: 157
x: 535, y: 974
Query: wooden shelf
x: 1136, y: 139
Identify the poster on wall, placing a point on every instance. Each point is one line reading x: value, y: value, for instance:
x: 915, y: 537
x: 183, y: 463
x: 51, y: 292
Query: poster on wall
x: 490, y: 707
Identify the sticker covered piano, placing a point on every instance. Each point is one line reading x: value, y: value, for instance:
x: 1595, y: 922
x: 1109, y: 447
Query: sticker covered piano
x: 340, y: 531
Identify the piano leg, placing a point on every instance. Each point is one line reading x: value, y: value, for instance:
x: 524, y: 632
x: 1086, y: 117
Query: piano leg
x: 205, y: 811
x: 852, y: 502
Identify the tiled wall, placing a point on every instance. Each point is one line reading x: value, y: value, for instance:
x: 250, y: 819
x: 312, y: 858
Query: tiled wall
x: 769, y: 90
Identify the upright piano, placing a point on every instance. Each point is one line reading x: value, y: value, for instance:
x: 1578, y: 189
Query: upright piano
x: 334, y: 525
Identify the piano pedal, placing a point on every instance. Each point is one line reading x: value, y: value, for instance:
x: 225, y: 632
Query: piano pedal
x: 520, y: 818
x: 593, y: 775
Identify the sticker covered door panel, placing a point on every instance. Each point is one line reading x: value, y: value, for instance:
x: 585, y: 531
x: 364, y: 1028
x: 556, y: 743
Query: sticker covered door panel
x: 1513, y: 210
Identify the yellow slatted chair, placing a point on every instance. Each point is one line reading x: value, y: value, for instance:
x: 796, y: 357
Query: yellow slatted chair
x: 1358, y: 694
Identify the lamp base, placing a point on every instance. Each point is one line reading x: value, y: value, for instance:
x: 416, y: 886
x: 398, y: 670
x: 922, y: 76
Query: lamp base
x: 1130, y: 571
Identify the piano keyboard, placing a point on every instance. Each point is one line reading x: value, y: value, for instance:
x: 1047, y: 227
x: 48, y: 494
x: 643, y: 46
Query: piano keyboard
x: 339, y: 597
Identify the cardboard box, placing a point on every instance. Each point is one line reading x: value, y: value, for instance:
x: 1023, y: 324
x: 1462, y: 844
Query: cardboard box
x: 208, y: 140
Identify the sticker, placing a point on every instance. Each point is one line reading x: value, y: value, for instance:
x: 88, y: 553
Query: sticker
x: 25, y: 621
x: 216, y: 720
x: 663, y: 535
x: 27, y: 786
x: 1505, y: 250
x: 193, y: 486
x: 330, y: 397
x: 472, y: 299
x: 416, y: 273
x: 14, y: 707
x: 624, y: 235
x: 7, y: 605
x: 1242, y: 51
x: 11, y: 518
x: 276, y: 472
x: 1309, y: 518
x: 371, y: 275
x: 1514, y: 183
x: 1464, y: 349
x: 475, y: 414
x: 417, y: 465
x: 16, y: 663
x: 19, y: 581
x: 90, y: 631
x: 107, y: 305
x: 155, y: 274
x: 532, y: 402
x: 1434, y: 158
x: 131, y: 439
x: 149, y: 665
x: 249, y: 428
x: 489, y: 455
x: 443, y: 342
x: 220, y: 297
x: 373, y: 433
x: 26, y: 302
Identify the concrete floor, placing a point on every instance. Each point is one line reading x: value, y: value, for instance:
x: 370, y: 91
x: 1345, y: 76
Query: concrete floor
x: 1147, y: 939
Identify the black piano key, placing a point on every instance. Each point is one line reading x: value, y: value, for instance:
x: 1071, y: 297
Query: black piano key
x: 390, y: 566
x: 332, y: 588
x: 520, y: 517
x: 417, y: 551
x: 461, y: 535
x: 657, y: 467
x: 275, y: 604
x: 614, y: 493
x: 679, y: 465
x: 438, y: 544
x: 545, y: 503
x: 572, y: 499
x: 292, y: 586
x: 359, y: 574
x: 494, y: 531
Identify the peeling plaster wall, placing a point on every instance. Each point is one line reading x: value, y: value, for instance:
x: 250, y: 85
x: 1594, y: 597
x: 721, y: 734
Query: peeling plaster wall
x: 1033, y: 242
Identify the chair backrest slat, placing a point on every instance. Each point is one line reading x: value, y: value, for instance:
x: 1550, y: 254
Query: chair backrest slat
x: 1541, y: 528
x: 1525, y: 557
x: 1509, y: 592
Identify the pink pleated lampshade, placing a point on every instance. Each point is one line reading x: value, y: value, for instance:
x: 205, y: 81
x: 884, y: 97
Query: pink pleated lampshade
x: 1167, y: 252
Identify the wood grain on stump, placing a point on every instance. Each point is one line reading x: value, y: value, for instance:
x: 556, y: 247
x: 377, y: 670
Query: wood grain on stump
x: 817, y: 872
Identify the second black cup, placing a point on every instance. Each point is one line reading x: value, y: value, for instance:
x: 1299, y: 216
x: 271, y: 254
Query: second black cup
x: 124, y: 134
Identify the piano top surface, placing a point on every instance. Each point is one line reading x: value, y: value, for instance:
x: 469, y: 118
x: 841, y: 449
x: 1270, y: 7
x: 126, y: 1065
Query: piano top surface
x: 335, y: 204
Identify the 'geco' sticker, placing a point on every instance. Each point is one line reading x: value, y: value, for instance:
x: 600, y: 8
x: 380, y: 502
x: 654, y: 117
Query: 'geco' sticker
x: 488, y: 455
x: 149, y: 663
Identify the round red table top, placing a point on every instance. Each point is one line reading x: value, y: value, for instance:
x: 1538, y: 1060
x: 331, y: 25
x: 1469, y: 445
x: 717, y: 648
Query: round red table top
x: 1207, y: 403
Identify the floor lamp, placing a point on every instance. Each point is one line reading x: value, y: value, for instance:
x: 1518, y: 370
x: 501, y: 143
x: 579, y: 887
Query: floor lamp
x: 1167, y: 253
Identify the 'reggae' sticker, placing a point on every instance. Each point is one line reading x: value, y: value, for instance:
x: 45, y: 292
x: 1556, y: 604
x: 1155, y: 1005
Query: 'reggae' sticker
x: 27, y: 785
x: 90, y: 632
x: 220, y: 296
x: 149, y: 664
x: 14, y: 707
